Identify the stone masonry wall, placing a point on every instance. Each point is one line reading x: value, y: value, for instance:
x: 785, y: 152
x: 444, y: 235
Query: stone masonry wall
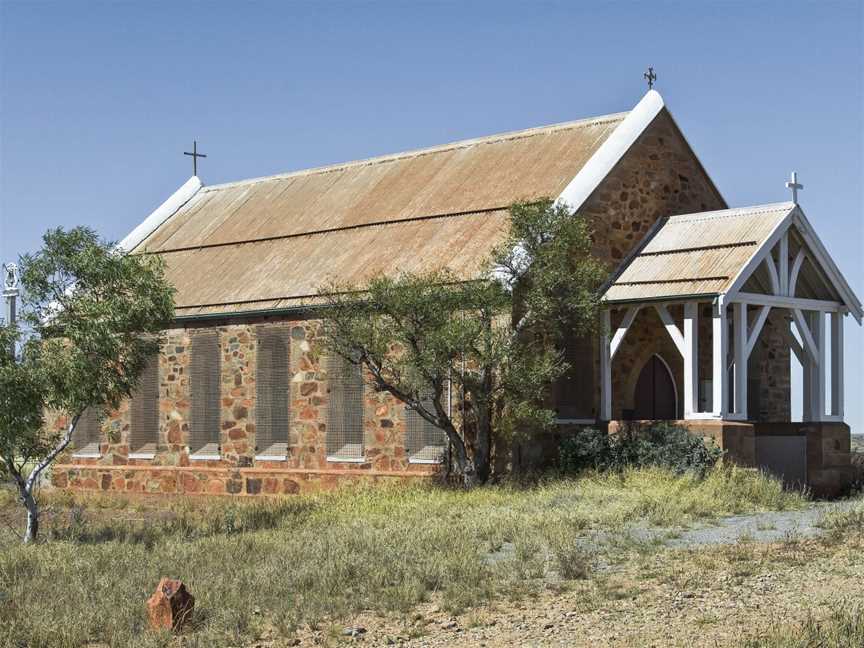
x: 659, y: 176
x: 172, y: 470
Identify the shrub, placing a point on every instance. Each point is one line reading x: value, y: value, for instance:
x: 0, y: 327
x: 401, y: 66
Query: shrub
x: 634, y: 446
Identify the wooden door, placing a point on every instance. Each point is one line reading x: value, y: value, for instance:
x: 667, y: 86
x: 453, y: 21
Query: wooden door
x: 655, y: 397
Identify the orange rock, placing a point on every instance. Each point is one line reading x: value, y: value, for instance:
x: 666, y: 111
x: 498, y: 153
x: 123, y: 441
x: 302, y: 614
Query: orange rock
x: 171, y: 605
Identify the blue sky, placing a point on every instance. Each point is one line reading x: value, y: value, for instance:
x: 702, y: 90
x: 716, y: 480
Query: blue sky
x: 99, y: 100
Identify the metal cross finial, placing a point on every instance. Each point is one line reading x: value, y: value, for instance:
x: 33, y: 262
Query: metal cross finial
x: 651, y: 77
x: 794, y: 185
x: 195, y: 155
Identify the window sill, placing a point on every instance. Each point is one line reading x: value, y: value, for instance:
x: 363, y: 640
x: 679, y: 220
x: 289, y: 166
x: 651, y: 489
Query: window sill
x: 142, y: 455
x: 335, y: 459
x: 266, y: 457
x: 86, y: 455
x: 205, y: 457
x: 424, y: 461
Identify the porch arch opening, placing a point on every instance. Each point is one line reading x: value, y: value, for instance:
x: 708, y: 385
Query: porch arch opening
x: 655, y: 396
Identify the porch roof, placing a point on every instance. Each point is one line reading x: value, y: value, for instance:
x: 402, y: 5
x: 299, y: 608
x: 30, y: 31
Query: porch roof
x: 695, y: 254
x: 718, y: 253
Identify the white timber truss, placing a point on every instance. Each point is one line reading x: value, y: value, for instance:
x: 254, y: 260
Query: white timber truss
x: 733, y: 342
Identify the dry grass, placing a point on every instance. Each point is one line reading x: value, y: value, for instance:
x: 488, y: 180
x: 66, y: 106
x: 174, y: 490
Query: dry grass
x: 277, y: 564
x: 843, y: 628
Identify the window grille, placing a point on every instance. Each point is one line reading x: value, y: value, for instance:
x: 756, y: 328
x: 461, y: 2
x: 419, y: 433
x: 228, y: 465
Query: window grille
x: 273, y: 393
x: 144, y: 428
x: 574, y: 390
x: 345, y: 410
x: 205, y: 375
x: 86, y: 435
x: 424, y: 442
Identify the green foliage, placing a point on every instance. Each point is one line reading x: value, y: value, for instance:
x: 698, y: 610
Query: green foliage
x: 90, y: 317
x: 93, y: 313
x: 20, y: 402
x: 657, y: 444
x: 489, y: 337
x: 548, y: 264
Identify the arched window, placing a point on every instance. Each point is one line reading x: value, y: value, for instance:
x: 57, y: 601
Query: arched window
x: 424, y: 442
x: 205, y: 374
x: 86, y: 435
x: 144, y: 427
x: 573, y: 391
x: 344, y: 410
x: 273, y: 395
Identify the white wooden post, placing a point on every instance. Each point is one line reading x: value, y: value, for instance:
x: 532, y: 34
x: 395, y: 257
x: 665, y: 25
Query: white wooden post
x: 720, y: 342
x: 739, y: 325
x: 837, y: 364
x: 605, y: 368
x: 691, y: 358
x: 819, y: 333
x: 812, y: 335
x: 784, y: 264
x: 807, y: 378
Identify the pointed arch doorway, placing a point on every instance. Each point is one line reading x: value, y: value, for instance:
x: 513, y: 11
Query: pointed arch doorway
x: 656, y: 397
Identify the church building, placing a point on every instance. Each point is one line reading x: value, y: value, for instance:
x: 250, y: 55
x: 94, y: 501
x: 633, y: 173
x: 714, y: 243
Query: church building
x: 704, y: 310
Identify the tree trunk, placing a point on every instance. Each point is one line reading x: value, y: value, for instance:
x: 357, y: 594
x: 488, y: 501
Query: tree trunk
x: 32, y: 517
x: 482, y: 454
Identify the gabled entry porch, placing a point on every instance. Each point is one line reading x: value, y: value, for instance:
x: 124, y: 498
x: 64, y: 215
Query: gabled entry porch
x: 721, y: 288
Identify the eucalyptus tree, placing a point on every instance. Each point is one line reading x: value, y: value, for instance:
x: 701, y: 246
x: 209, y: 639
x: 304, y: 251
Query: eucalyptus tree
x: 492, y: 341
x: 89, y: 321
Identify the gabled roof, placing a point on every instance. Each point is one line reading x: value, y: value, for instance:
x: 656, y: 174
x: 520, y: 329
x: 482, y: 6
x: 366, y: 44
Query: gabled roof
x: 270, y: 243
x: 718, y: 253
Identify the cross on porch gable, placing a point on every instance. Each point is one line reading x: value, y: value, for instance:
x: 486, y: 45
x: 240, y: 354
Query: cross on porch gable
x: 794, y: 185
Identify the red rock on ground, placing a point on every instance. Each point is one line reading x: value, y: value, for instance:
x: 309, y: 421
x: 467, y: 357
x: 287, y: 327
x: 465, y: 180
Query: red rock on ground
x: 171, y: 605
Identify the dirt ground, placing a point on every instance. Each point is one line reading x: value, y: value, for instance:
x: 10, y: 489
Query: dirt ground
x: 712, y: 596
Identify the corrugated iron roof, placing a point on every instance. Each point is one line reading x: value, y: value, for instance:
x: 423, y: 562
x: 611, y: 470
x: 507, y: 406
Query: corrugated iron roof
x: 282, y: 272
x: 470, y: 176
x: 272, y: 242
x: 696, y: 254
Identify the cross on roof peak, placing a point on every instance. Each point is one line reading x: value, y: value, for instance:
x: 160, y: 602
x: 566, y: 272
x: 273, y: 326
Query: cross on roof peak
x: 195, y: 155
x: 651, y: 77
x: 794, y: 185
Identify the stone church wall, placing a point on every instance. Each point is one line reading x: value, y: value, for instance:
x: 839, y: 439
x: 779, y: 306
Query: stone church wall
x: 172, y: 470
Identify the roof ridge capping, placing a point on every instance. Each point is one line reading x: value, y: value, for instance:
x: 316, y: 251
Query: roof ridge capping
x: 610, y: 152
x: 438, y: 148
x: 732, y: 212
x: 161, y: 214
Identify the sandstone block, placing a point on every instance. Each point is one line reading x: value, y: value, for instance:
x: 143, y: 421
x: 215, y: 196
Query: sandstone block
x: 171, y: 605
